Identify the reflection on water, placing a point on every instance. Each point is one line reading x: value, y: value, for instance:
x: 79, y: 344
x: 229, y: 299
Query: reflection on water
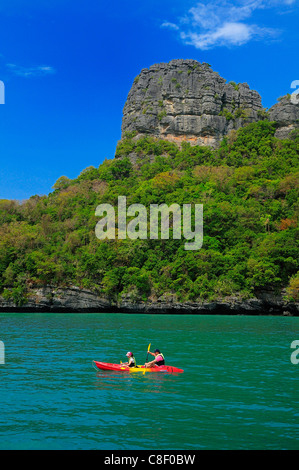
x: 148, y: 382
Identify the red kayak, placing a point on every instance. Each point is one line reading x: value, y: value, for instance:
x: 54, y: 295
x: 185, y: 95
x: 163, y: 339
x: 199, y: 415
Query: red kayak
x: 123, y: 368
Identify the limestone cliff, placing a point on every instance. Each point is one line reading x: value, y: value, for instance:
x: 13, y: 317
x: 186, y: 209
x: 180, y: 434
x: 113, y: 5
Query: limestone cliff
x: 185, y: 100
x: 286, y: 114
x: 72, y: 299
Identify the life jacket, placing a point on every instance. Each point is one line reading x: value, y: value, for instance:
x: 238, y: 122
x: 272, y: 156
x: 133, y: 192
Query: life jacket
x: 162, y: 362
x: 132, y: 362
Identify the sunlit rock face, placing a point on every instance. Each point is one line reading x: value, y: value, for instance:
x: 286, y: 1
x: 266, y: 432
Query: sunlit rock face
x: 185, y: 100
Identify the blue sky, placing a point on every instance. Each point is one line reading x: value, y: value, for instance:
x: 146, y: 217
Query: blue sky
x: 68, y: 66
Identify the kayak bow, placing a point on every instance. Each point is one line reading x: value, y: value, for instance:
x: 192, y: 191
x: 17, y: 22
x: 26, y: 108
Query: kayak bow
x: 123, y: 368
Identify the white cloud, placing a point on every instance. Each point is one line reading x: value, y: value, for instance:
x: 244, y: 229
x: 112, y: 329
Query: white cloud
x: 169, y: 25
x: 36, y: 71
x: 234, y: 34
x: 228, y: 34
x: 225, y: 23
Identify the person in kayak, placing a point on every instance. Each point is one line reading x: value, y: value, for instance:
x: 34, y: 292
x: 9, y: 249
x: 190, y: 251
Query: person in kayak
x: 132, y: 361
x: 158, y: 361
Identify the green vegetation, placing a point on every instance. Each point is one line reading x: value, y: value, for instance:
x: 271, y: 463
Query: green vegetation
x: 249, y: 191
x: 287, y: 96
x: 263, y: 114
x: 242, y: 113
x: 162, y: 114
x: 237, y: 113
x: 227, y: 114
x: 235, y: 85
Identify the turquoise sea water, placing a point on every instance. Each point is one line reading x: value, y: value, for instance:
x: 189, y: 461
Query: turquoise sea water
x: 239, y: 389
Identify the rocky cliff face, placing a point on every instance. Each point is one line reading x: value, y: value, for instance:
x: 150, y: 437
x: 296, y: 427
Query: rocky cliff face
x: 185, y: 100
x: 73, y: 299
x: 286, y: 114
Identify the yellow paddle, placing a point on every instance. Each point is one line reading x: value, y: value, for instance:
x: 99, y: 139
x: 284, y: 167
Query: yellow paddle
x: 149, y: 347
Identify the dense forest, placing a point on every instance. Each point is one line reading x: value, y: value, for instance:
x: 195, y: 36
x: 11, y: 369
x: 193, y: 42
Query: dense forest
x: 249, y: 191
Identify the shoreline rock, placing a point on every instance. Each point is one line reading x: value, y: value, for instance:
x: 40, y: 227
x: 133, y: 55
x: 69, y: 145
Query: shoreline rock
x: 50, y: 299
